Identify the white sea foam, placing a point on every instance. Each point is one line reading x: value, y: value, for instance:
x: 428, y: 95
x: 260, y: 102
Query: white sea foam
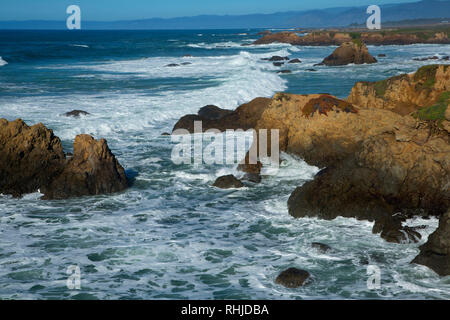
x: 79, y: 45
x: 2, y: 62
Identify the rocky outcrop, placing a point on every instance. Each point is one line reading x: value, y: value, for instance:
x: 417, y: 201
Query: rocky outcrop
x: 32, y: 158
x: 92, y: 170
x: 212, y: 112
x: 377, y: 162
x: 281, y: 37
x: 76, y: 113
x: 228, y: 182
x: 244, y: 117
x: 435, y: 254
x: 292, y: 278
x: 349, y: 52
x: 405, y: 93
x: 29, y: 157
x: 333, y: 37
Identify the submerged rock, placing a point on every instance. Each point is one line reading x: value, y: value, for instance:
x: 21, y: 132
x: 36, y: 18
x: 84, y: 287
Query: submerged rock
x: 349, y: 52
x: 435, y: 254
x: 284, y: 71
x: 228, y: 182
x: 173, y: 65
x: 278, y: 58
x: 76, y: 113
x: 278, y: 64
x: 292, y: 278
x: 295, y: 61
x: 324, y: 248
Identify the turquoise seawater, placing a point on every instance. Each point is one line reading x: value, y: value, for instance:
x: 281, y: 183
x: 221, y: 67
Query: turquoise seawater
x: 172, y: 235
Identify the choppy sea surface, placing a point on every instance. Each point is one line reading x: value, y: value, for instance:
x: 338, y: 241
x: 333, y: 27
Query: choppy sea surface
x: 172, y: 235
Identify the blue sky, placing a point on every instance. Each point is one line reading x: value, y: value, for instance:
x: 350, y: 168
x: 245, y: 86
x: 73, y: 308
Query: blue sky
x: 108, y: 10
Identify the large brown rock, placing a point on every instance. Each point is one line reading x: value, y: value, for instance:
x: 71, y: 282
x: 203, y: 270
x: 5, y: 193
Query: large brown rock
x: 435, y: 254
x: 32, y: 159
x: 92, y: 170
x: 349, y: 52
x: 29, y: 157
x: 377, y: 162
x: 406, y: 93
x: 244, y: 117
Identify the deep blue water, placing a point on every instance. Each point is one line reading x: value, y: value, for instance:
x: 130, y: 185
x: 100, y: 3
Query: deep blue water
x: 172, y: 235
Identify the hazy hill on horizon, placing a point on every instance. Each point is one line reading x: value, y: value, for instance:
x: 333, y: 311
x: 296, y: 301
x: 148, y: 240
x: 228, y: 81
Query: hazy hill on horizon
x: 331, y: 17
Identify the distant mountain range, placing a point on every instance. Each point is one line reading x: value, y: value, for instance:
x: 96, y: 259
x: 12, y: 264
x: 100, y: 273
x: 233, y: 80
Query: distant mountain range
x: 332, y: 17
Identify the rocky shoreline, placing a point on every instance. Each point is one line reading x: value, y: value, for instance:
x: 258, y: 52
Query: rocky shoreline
x: 384, y: 153
x: 338, y: 37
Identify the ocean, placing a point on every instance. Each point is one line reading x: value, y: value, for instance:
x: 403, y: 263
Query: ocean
x: 172, y: 235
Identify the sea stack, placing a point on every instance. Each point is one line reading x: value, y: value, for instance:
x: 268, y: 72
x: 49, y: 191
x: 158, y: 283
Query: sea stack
x: 350, y: 52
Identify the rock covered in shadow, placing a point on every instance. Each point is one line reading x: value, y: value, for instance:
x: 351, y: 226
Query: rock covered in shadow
x: 392, y: 230
x: 92, y: 170
x: 228, y: 182
x: 435, y: 253
x: 244, y: 117
x: 292, y: 278
x: 212, y: 112
x: 295, y: 61
x: 76, y: 113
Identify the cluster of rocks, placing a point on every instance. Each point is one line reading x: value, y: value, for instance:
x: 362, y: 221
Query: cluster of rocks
x: 280, y: 61
x: 385, y: 153
x: 446, y: 58
x: 32, y: 159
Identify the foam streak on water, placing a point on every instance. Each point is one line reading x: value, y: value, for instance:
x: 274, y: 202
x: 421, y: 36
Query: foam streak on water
x: 172, y: 235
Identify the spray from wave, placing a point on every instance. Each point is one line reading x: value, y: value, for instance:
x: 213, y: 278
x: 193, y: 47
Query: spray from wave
x: 2, y: 62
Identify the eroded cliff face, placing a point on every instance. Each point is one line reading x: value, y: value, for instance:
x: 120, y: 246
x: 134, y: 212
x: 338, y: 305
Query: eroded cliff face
x: 406, y: 93
x: 32, y: 159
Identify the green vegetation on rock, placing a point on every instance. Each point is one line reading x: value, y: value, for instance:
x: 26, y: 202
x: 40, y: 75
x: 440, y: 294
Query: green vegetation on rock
x: 435, y: 113
x: 427, y: 74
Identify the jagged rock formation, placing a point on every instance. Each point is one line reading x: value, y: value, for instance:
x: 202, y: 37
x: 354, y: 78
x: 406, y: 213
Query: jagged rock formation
x: 32, y: 158
x: 349, y: 52
x: 435, y: 254
x: 92, y: 170
x: 29, y: 157
x: 406, y: 93
x: 378, y: 163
